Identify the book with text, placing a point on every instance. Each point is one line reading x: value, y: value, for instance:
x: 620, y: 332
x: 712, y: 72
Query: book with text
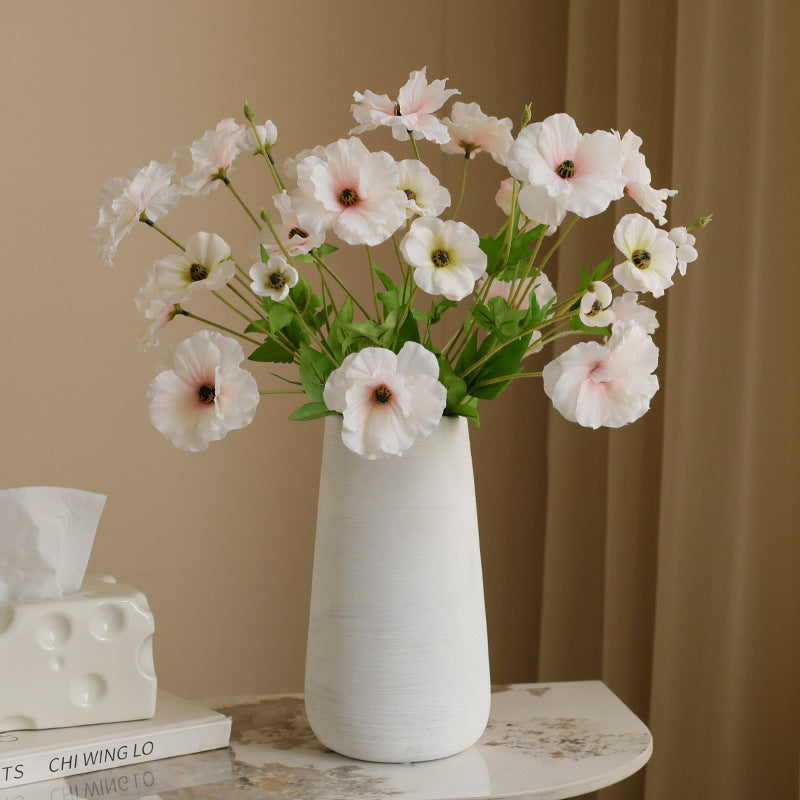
x: 179, y: 727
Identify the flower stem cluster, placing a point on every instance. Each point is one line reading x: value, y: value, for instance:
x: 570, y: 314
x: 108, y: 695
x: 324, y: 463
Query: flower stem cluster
x: 380, y: 361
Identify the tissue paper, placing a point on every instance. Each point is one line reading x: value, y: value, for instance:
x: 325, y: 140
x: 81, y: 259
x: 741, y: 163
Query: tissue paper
x: 46, y: 536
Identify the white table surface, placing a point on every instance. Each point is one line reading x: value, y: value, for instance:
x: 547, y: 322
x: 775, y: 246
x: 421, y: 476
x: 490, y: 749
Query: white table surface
x: 543, y: 741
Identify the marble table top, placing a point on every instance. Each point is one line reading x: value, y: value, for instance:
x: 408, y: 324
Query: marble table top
x: 543, y: 741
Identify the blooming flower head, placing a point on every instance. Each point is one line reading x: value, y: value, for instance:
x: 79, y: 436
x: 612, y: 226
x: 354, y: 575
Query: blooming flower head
x: 352, y: 191
x: 294, y: 238
x: 445, y: 255
x: 206, y: 263
x: 595, y: 308
x: 635, y: 170
x: 273, y: 279
x: 426, y: 196
x: 606, y: 385
x: 413, y: 111
x: 581, y: 172
x: 202, y: 392
x: 203, y: 163
x: 626, y: 306
x: 147, y: 191
x: 387, y: 401
x: 684, y: 247
x: 149, y: 303
x: 650, y: 256
x: 267, y: 133
x: 473, y: 132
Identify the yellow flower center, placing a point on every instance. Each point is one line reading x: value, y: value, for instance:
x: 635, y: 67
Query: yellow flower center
x: 440, y: 258
x: 198, y: 272
x: 566, y: 169
x: 383, y: 395
x: 348, y: 197
x: 640, y: 259
x: 277, y: 280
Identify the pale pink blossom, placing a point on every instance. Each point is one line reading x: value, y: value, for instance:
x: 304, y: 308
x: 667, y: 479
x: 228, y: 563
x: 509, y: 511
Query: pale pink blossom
x: 351, y: 191
x: 146, y: 193
x: 293, y: 236
x: 267, y: 134
x: 426, y: 196
x: 627, y: 306
x: 684, y: 247
x: 273, y: 279
x: 289, y: 165
x: 387, y: 401
x: 445, y: 255
x: 206, y: 263
x: 579, y: 172
x: 504, y: 198
x: 207, y: 160
x: 149, y: 302
x: 638, y: 178
x: 414, y: 110
x: 595, y: 308
x: 473, y: 132
x: 650, y: 256
x: 608, y: 384
x: 202, y: 392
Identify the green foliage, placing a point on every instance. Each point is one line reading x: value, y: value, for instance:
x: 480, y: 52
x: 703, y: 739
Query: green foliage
x: 504, y: 362
x: 315, y: 367
x: 271, y: 351
x: 313, y: 410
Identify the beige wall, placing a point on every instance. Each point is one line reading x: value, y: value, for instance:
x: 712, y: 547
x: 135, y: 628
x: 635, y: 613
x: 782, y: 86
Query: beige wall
x: 222, y: 542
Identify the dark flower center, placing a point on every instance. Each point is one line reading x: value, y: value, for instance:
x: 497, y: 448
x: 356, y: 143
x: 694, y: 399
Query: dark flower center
x: 440, y: 258
x: 397, y: 111
x: 383, y: 395
x: 348, y: 197
x: 410, y: 194
x: 277, y: 280
x: 206, y: 394
x: 298, y: 232
x: 566, y: 169
x: 197, y: 272
x: 597, y: 307
x: 640, y: 259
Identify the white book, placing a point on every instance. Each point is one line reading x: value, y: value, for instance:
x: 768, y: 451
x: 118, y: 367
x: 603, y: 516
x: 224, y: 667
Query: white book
x: 179, y: 727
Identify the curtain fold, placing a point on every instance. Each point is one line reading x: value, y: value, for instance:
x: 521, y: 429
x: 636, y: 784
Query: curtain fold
x: 671, y: 546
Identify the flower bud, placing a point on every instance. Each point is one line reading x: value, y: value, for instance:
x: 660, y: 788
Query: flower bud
x: 249, y: 112
x: 526, y: 116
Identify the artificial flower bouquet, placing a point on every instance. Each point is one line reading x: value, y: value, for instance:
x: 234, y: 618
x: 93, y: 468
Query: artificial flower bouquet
x: 381, y: 361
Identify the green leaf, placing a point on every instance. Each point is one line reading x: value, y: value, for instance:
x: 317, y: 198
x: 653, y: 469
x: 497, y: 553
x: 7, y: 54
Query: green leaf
x: 258, y: 326
x: 468, y: 409
x: 311, y: 411
x: 346, y: 311
x: 324, y: 249
x: 469, y: 354
x: 601, y: 269
x: 271, y: 351
x: 314, y: 370
x: 456, y: 387
x: 387, y: 282
x: 409, y: 331
x: 504, y: 362
x: 280, y: 316
x: 438, y: 309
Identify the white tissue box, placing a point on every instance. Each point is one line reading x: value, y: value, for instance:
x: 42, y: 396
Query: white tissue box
x: 80, y: 659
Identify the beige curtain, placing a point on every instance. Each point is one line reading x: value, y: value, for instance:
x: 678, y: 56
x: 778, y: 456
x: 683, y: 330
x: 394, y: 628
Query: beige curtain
x: 672, y: 547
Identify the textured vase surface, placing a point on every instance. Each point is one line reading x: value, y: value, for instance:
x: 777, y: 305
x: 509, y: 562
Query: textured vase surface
x: 397, y: 666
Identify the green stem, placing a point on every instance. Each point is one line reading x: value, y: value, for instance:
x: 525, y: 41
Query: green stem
x: 226, y: 181
x: 264, y: 151
x: 260, y: 311
x: 314, y: 338
x: 184, y: 313
x: 231, y: 306
x: 399, y: 256
x: 414, y: 145
x: 151, y: 224
x: 372, y: 279
x: 508, y: 378
x: 320, y: 263
x: 463, y: 186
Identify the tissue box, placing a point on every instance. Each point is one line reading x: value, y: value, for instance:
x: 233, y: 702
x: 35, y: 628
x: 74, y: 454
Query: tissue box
x: 80, y: 659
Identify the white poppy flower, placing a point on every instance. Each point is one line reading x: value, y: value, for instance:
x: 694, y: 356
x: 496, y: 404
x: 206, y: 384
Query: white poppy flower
x: 595, y: 308
x: 273, y: 279
x: 637, y: 175
x: 473, y: 132
x: 582, y: 172
x: 446, y: 256
x: 149, y: 303
x: 426, y: 196
x: 202, y: 392
x: 387, y: 401
x: 295, y: 239
x: 684, y: 247
x: 650, y: 255
x: 207, y: 159
x: 206, y: 262
x: 268, y: 133
x: 289, y: 165
x: 413, y: 111
x: 609, y: 385
x: 352, y: 191
x: 147, y: 191
x: 505, y: 195
x: 626, y: 306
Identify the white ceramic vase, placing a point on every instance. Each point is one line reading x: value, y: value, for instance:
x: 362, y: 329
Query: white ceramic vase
x: 397, y: 666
